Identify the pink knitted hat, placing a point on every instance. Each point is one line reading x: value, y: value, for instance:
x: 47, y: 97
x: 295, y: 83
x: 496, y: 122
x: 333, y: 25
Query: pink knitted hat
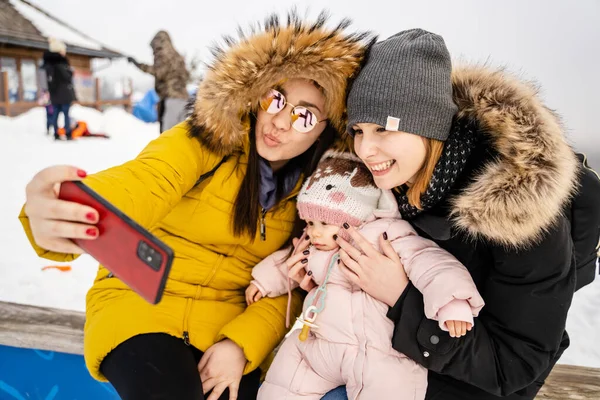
x: 340, y: 190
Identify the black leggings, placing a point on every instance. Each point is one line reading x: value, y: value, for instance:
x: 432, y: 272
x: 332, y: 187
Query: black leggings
x: 159, y: 366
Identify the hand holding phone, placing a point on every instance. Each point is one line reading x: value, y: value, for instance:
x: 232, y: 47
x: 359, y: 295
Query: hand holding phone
x: 125, y: 248
x: 54, y: 222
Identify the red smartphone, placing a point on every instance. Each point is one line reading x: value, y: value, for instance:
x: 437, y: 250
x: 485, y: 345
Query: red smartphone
x: 126, y: 249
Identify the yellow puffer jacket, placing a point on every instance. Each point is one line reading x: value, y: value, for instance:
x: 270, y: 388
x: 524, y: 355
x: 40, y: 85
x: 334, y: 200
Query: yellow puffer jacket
x: 204, y: 295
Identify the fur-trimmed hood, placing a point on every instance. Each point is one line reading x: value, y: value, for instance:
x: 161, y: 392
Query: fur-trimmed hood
x: 516, y: 196
x: 244, y: 69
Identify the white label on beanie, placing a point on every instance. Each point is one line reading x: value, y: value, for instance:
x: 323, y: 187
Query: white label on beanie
x: 392, y: 124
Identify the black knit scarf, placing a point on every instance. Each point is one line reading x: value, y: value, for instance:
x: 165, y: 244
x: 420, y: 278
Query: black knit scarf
x: 457, y: 149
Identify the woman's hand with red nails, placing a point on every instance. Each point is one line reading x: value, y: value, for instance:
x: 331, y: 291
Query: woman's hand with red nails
x: 53, y: 222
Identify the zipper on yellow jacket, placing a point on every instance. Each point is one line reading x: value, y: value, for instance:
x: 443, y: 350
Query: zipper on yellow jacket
x: 186, y: 315
x: 263, y: 211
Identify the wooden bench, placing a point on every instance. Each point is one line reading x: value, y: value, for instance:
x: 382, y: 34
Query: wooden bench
x: 569, y: 382
x: 62, y: 330
x: 41, y: 328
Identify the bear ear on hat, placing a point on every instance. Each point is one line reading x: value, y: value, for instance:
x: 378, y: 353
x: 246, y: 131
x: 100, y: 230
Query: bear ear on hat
x: 361, y: 176
x: 351, y: 174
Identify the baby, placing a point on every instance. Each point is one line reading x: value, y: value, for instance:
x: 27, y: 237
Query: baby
x: 346, y: 335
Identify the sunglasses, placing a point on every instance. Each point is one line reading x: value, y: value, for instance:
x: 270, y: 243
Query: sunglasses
x: 303, y: 120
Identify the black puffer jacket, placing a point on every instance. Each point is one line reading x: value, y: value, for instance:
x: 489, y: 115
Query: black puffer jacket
x: 60, y: 78
x: 506, y: 221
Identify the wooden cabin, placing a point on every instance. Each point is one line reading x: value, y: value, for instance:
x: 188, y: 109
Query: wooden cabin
x: 24, y: 32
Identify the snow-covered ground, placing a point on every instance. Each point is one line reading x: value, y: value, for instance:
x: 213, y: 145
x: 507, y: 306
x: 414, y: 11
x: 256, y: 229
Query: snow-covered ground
x: 25, y: 149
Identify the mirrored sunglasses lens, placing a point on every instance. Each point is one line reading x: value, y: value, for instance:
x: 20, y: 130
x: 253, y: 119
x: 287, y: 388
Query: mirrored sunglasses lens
x: 272, y: 102
x: 303, y: 119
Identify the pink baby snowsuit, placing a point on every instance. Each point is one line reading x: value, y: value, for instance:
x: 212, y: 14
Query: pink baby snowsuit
x: 352, y: 345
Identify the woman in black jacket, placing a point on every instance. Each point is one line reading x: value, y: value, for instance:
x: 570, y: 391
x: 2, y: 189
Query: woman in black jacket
x: 481, y: 167
x: 60, y: 84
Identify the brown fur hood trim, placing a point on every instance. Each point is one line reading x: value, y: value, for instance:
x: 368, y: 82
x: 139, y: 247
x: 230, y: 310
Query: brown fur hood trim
x: 245, y: 68
x: 516, y: 197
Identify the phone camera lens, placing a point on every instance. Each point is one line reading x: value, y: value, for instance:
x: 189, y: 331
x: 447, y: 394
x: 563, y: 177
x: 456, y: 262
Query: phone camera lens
x: 149, y: 256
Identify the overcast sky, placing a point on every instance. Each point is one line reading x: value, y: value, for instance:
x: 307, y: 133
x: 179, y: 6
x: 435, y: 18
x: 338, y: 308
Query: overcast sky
x: 557, y: 43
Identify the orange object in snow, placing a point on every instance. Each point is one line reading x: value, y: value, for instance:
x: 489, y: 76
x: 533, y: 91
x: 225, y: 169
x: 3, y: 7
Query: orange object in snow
x: 79, y: 130
x: 62, y: 268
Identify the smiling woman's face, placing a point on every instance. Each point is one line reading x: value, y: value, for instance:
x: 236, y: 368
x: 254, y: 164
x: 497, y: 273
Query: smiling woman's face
x: 394, y: 158
x: 276, y: 140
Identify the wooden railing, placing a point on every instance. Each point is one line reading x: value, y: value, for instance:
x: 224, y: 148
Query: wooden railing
x: 41, y: 328
x: 9, y: 109
x: 62, y: 330
x: 568, y: 382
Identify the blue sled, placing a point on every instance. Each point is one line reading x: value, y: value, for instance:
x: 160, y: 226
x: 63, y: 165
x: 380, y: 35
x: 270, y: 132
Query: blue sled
x: 47, y: 375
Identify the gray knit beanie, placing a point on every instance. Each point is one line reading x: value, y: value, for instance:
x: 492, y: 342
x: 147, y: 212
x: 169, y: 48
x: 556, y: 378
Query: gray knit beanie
x: 405, y: 86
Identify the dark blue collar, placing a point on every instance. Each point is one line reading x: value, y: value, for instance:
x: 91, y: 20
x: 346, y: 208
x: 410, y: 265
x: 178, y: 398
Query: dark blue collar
x: 268, y: 183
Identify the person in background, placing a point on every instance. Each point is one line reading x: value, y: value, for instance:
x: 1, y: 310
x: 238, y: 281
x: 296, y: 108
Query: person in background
x: 59, y: 77
x: 170, y: 80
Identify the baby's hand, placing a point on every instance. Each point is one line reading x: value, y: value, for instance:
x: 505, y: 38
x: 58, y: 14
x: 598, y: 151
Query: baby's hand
x: 252, y: 294
x: 458, y: 328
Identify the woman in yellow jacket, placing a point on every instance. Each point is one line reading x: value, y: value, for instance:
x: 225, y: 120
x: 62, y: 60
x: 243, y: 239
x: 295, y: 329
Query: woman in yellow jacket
x: 269, y: 106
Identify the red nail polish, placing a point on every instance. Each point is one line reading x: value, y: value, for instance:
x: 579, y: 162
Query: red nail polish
x: 91, y: 232
x: 346, y: 226
x: 335, y: 237
x: 81, y: 173
x: 90, y: 217
x: 384, y: 235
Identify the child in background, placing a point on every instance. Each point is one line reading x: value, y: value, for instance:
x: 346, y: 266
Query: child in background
x: 346, y: 335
